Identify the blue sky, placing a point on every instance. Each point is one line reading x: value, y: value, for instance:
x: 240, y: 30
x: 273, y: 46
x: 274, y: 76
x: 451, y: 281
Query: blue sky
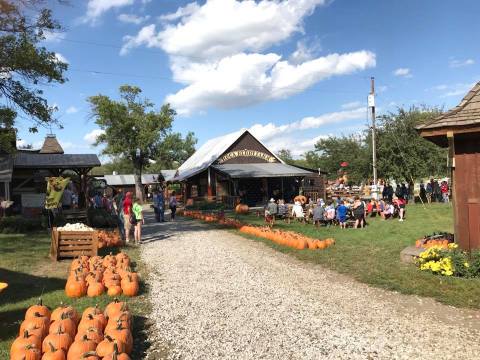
x: 292, y: 71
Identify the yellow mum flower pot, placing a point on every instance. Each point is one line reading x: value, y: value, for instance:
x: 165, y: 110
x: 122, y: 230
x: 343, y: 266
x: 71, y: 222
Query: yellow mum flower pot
x: 3, y: 286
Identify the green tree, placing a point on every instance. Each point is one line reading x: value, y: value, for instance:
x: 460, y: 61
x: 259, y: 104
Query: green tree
x: 173, y: 152
x: 133, y: 130
x: 352, y: 149
x: 286, y: 155
x: 402, y: 153
x: 24, y: 63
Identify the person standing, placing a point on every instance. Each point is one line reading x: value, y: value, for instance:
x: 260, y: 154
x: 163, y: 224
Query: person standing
x: 159, y: 205
x: 444, y: 189
x: 118, y: 206
x: 342, y: 215
x: 423, y: 194
x: 172, y: 203
x: 137, y: 211
x: 429, y: 191
x: 126, y: 209
x: 437, y: 192
x: 67, y: 198
x: 359, y: 212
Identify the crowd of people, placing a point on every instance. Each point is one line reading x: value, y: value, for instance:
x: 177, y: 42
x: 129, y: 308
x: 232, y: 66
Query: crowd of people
x: 435, y: 191
x: 342, y: 212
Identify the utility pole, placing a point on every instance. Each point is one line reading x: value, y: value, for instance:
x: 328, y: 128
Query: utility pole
x: 371, y: 104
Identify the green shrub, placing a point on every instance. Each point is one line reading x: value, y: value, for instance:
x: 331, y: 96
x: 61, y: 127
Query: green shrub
x: 100, y: 218
x: 20, y: 224
x: 206, y: 206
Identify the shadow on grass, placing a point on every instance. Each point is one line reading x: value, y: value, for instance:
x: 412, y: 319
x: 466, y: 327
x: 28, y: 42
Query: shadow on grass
x: 21, y: 287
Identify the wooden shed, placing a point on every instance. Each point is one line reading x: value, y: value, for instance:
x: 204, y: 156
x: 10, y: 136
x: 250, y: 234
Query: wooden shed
x: 459, y: 130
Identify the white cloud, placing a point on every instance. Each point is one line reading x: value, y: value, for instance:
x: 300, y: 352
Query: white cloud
x: 454, y: 63
x: 271, y: 131
x: 132, y: 18
x: 222, y: 65
x: 246, y: 79
x: 304, y: 51
x: 96, y: 8
x: 226, y: 27
x: 352, y: 105
x: 187, y: 10
x: 91, y: 137
x: 71, y: 110
x: 381, y: 89
x: 21, y: 143
x: 405, y: 72
x: 61, y: 58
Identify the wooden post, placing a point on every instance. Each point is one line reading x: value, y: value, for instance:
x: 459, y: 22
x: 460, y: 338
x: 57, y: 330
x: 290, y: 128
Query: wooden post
x: 451, y: 162
x: 209, y: 187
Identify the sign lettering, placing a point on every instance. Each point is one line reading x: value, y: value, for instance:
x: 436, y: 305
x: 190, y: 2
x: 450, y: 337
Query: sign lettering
x: 246, y: 153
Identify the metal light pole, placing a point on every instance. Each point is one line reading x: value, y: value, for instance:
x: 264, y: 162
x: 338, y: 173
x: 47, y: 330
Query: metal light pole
x: 371, y: 104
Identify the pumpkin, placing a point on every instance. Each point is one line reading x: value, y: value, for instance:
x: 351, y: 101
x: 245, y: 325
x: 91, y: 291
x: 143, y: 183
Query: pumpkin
x: 80, y: 347
x: 97, y: 313
x: 58, y: 340
x: 321, y: 244
x: 34, y: 322
x: 27, y: 353
x: 311, y: 244
x: 124, y: 317
x: 91, y: 321
x: 3, y: 286
x: 25, y: 340
x: 65, y: 309
x: 38, y: 309
x: 330, y: 241
x: 65, y: 324
x: 54, y: 353
x: 75, y: 287
x: 123, y: 334
x: 115, y: 307
x: 129, y: 286
x: 92, y: 333
x: 114, y: 290
x: 241, y: 209
x: 95, y: 289
x: 108, y: 346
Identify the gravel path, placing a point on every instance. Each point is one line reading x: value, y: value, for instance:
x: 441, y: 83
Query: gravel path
x: 217, y: 295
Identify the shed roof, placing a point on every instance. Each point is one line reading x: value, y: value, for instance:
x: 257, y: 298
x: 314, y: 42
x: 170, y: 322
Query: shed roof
x: 465, y: 114
x: 208, y: 153
x: 261, y: 170
x: 51, y: 145
x: 129, y: 179
x: 33, y: 160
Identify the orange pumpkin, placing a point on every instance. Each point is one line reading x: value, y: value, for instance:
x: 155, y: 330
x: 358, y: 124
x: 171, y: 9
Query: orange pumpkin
x: 75, y: 287
x: 107, y: 346
x: 91, y: 321
x: 94, y: 334
x: 95, y: 289
x: 321, y: 244
x: 80, y: 347
x: 54, y: 354
x: 34, y: 322
x: 27, y: 339
x: 123, y: 334
x: 27, y: 353
x: 59, y: 340
x: 62, y: 310
x: 65, y: 324
x: 130, y: 287
x: 242, y: 209
x: 114, y: 290
x: 115, y: 307
x: 38, y: 309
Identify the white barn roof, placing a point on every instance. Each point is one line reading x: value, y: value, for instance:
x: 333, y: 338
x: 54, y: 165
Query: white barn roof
x: 129, y: 179
x: 209, y: 152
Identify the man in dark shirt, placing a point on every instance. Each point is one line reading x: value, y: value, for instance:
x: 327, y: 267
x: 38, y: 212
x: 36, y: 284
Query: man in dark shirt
x: 118, y: 205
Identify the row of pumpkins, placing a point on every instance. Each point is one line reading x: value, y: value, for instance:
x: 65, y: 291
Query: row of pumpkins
x: 441, y: 243
x: 63, y: 335
x: 93, y: 276
x: 286, y: 238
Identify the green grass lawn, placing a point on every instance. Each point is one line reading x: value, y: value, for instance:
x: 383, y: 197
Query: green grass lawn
x: 25, y: 265
x: 372, y: 255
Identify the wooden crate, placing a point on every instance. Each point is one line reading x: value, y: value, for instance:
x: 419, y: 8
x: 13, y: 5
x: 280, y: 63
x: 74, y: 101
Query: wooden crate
x: 70, y: 244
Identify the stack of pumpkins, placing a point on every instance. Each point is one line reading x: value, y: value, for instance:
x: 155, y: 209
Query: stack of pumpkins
x: 63, y: 335
x: 93, y: 276
x: 287, y: 238
x: 108, y: 238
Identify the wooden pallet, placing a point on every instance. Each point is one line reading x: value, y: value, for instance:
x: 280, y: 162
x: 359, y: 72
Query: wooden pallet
x: 71, y: 244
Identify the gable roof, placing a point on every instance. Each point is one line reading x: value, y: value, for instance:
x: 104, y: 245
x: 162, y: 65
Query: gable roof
x: 129, y: 179
x: 51, y: 145
x: 467, y: 113
x: 34, y: 160
x: 209, y: 152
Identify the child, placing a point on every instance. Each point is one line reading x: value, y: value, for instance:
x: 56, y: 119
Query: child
x: 137, y: 211
x: 342, y: 215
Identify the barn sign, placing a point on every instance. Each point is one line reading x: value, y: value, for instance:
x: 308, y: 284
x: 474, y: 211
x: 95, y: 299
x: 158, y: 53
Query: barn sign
x: 246, y: 153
